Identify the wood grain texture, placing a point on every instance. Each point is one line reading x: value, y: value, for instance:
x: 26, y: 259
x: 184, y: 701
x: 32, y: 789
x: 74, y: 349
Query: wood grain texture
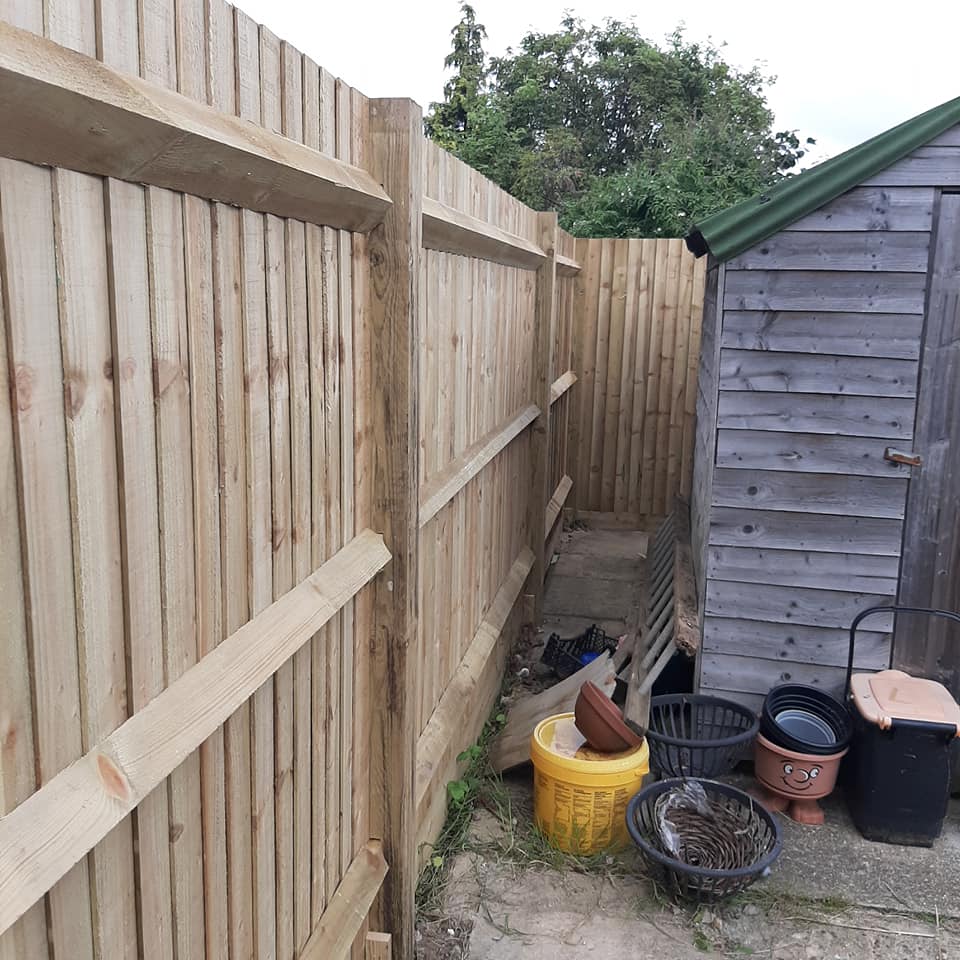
x: 348, y: 908
x: 772, y: 603
x: 842, y: 334
x: 757, y: 675
x: 395, y: 160
x: 444, y: 486
x: 112, y: 778
x: 637, y: 322
x: 926, y: 166
x: 931, y: 542
x: 806, y: 453
x: 827, y: 413
x: 842, y: 292
x: 798, y: 373
x: 854, y: 250
x: 66, y: 109
x: 452, y: 231
x: 795, y: 643
x: 466, y: 703
x: 730, y: 526
x: 864, y: 573
x: 869, y: 208
x: 818, y: 493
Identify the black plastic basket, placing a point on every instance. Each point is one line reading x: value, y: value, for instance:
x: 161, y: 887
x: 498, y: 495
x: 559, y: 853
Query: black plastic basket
x: 754, y: 824
x: 564, y: 655
x: 691, y: 735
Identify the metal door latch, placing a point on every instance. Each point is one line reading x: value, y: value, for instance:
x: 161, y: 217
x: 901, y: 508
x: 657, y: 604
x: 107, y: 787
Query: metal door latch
x: 902, y: 457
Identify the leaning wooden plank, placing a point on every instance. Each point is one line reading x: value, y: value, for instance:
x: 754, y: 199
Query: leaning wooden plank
x: 561, y: 385
x: 49, y: 832
x: 436, y: 494
x: 452, y: 231
x: 686, y: 611
x: 555, y: 506
x: 349, y: 906
x: 459, y: 716
x: 64, y: 109
x: 512, y: 746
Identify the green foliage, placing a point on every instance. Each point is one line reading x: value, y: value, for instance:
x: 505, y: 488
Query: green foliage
x: 621, y: 136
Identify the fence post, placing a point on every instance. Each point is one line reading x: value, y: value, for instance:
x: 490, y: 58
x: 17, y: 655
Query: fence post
x: 542, y: 379
x: 394, y: 160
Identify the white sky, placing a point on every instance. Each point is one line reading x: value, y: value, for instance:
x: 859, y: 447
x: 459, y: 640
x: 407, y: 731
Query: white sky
x: 847, y: 69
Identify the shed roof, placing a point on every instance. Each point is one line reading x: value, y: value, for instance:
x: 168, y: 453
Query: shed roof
x: 739, y: 227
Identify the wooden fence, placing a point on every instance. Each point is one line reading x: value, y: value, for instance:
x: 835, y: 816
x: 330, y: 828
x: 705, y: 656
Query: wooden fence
x: 284, y: 396
x: 637, y: 347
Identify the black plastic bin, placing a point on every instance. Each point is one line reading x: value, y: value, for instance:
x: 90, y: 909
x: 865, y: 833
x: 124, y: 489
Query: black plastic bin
x: 897, y: 774
x: 897, y: 781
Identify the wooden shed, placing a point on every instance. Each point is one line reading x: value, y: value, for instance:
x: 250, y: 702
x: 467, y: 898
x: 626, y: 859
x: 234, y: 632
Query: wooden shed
x: 831, y: 357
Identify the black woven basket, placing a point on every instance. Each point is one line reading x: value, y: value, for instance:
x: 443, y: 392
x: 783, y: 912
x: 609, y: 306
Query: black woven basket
x: 697, y: 736
x: 746, y: 834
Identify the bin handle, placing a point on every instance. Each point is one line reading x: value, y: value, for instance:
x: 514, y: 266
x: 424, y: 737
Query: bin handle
x: 887, y: 608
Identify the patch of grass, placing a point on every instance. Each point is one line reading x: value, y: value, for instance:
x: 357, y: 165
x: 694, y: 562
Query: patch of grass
x: 771, y: 902
x: 479, y: 784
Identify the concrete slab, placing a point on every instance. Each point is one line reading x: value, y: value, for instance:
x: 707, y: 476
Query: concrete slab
x: 836, y: 861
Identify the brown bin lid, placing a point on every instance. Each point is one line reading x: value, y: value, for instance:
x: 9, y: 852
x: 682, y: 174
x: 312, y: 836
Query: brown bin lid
x: 893, y: 694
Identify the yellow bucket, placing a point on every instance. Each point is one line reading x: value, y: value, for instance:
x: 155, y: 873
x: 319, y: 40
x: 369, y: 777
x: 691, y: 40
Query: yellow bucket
x: 580, y: 796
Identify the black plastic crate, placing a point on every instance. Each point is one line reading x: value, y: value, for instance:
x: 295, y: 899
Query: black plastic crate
x: 567, y: 656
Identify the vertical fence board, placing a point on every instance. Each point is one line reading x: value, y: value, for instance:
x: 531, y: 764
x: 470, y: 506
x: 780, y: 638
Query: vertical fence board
x: 631, y: 442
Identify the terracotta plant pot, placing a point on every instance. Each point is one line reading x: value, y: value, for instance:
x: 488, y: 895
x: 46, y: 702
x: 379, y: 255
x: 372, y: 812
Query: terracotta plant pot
x: 793, y: 782
x: 599, y: 719
x: 800, y: 776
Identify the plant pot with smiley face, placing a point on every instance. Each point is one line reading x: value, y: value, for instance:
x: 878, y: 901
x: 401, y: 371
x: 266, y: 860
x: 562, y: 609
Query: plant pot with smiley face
x: 793, y: 782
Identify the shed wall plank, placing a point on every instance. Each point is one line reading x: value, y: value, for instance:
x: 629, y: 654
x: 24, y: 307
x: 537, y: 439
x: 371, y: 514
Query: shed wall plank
x: 873, y: 208
x: 848, y: 250
x: 773, y: 603
x: 856, y: 572
x: 796, y: 373
x: 819, y: 493
x: 756, y: 675
x: 841, y: 334
x: 795, y: 643
x: 730, y: 526
x: 806, y: 453
x: 825, y: 291
x: 817, y: 413
x: 928, y: 166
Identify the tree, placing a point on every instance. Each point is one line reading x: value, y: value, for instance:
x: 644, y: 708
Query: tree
x: 620, y: 135
x: 447, y: 121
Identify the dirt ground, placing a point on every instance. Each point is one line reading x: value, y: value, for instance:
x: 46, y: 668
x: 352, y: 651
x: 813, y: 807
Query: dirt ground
x: 507, y: 897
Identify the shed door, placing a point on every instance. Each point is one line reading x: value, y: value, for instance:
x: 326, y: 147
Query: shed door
x: 930, y: 572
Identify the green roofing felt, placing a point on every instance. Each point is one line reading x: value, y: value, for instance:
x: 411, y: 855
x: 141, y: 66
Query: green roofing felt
x: 739, y: 227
